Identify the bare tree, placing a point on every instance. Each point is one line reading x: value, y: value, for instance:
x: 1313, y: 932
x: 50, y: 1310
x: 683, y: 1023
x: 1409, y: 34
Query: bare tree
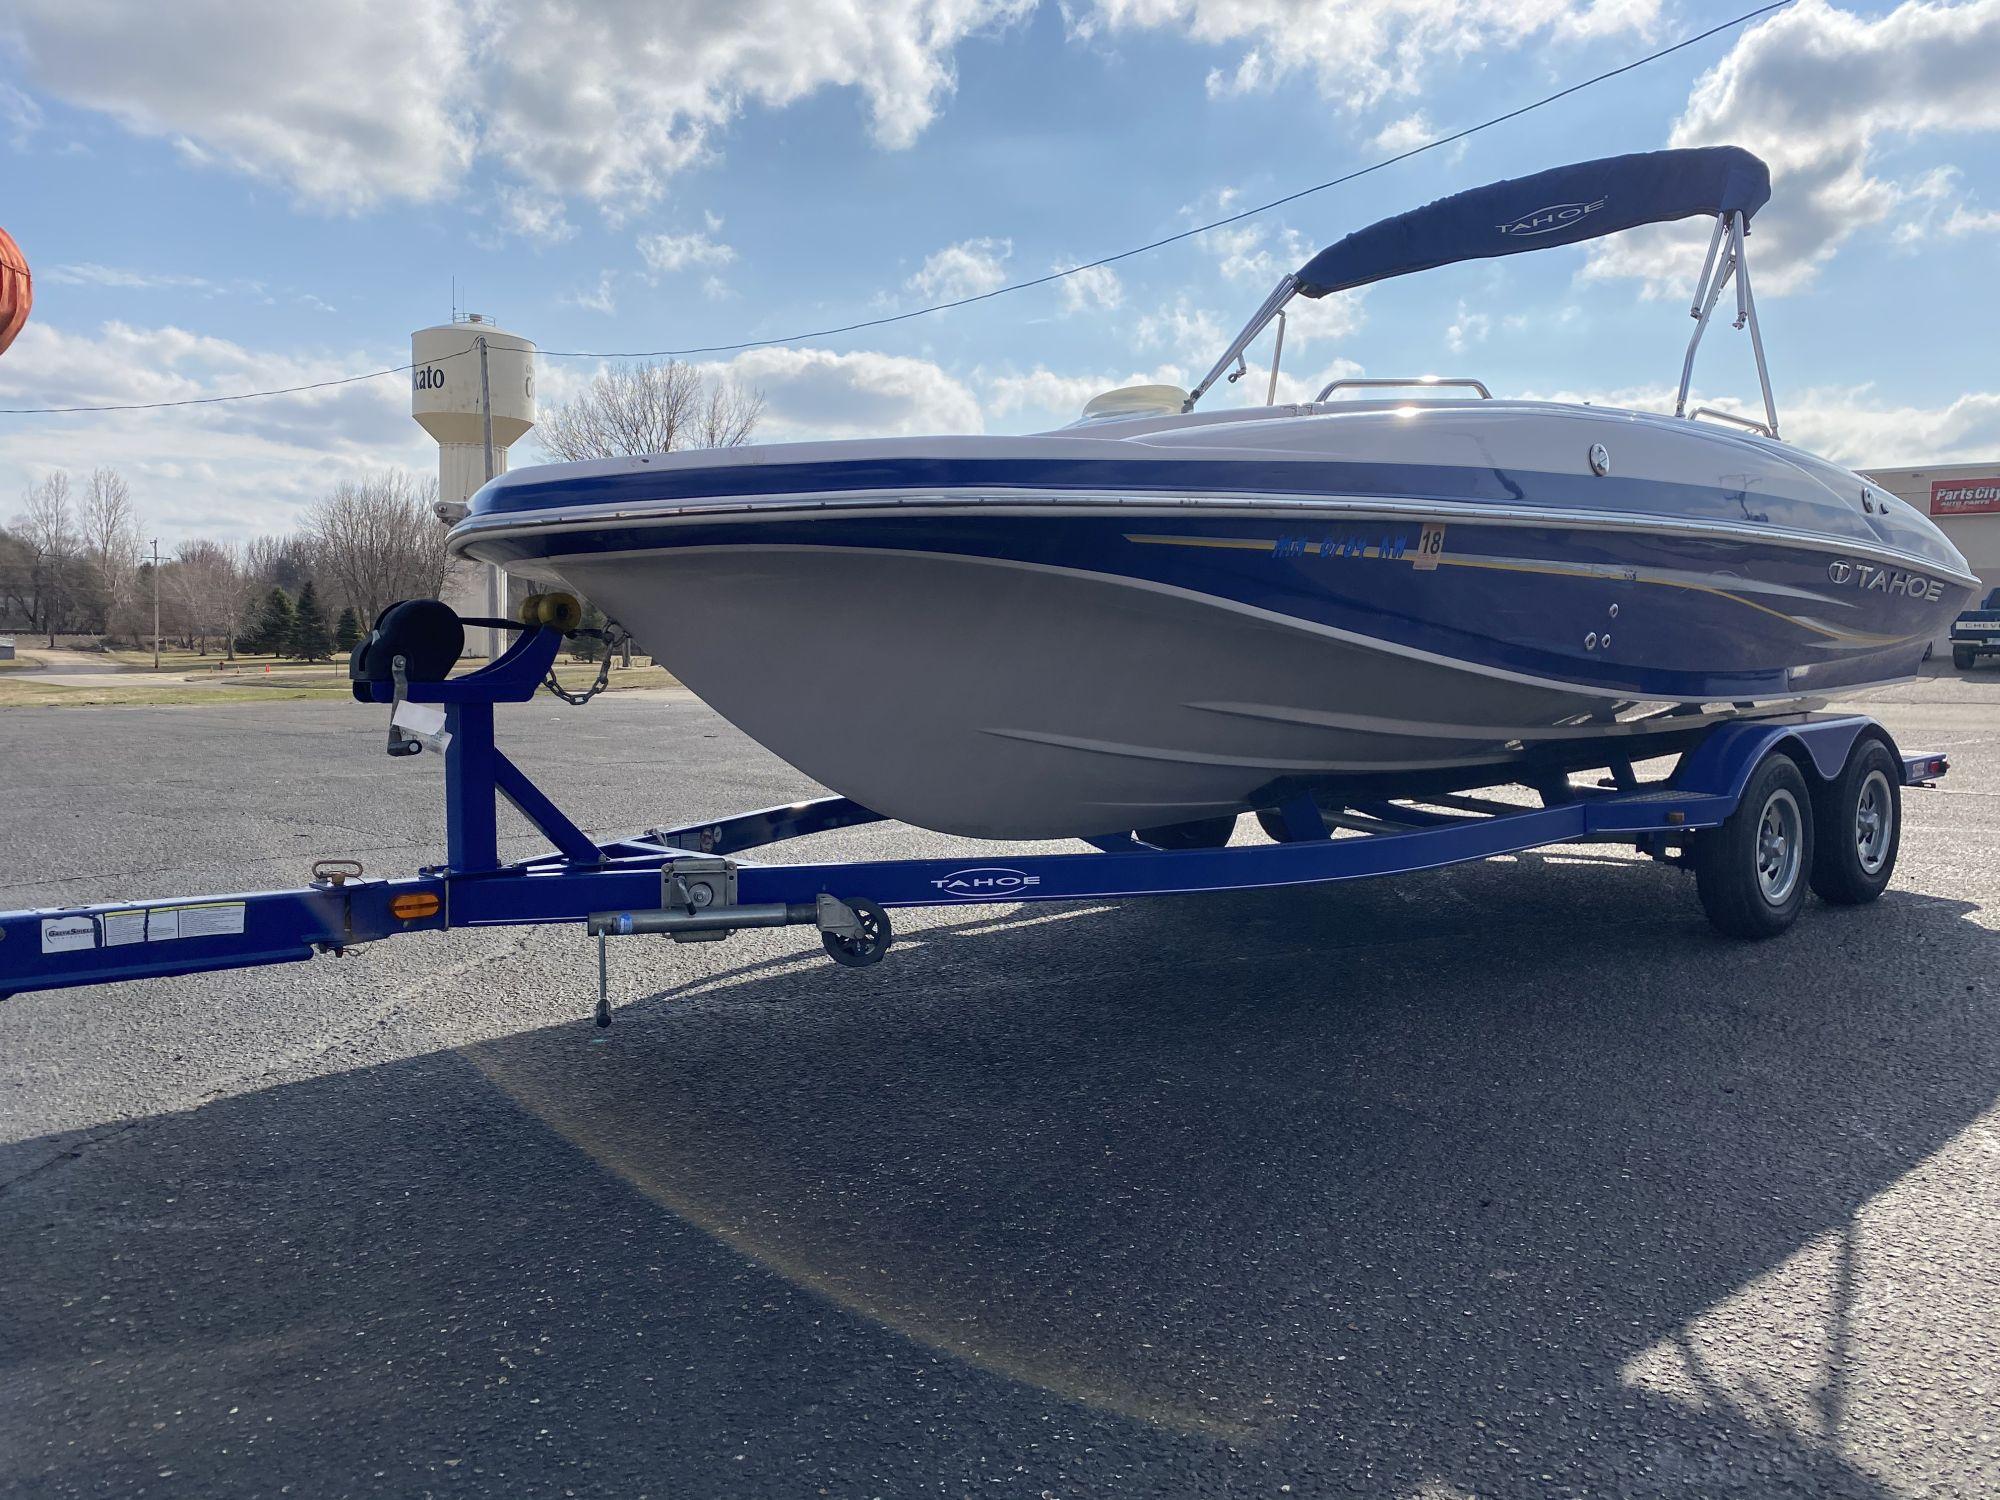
x: 206, y: 581
x: 650, y: 408
x: 110, y: 532
x: 48, y: 527
x: 378, y: 541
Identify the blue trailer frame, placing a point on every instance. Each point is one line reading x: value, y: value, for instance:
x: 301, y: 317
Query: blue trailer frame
x: 692, y: 884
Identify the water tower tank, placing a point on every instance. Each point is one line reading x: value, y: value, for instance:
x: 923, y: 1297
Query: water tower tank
x: 450, y: 403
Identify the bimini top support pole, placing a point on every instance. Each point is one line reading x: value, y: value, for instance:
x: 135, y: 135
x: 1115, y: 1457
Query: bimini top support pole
x: 1285, y: 290
x: 1726, y: 261
x: 1746, y: 313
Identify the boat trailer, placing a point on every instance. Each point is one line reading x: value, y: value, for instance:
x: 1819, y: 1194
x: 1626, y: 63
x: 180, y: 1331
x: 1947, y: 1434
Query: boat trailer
x: 1758, y: 809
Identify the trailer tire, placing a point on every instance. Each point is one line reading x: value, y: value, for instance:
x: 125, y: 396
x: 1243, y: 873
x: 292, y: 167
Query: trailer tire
x: 1859, y: 818
x: 1751, y: 873
x: 1963, y: 657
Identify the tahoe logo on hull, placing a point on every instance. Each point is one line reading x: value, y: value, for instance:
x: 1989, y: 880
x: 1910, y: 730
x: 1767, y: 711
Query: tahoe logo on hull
x: 1555, y: 216
x: 986, y: 883
x: 1890, y: 580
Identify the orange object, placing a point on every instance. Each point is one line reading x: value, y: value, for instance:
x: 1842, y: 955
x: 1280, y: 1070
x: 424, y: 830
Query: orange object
x: 17, y: 290
x: 413, y: 905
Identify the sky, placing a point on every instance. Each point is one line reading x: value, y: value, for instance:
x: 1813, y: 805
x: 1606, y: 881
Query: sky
x: 217, y: 197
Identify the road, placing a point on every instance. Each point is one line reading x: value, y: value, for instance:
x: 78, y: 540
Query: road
x: 1505, y: 1180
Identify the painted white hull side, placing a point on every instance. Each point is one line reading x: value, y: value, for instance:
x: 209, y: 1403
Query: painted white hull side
x: 1001, y: 701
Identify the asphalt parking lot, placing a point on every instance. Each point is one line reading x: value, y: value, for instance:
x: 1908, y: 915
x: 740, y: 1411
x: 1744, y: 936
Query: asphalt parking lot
x: 1507, y: 1180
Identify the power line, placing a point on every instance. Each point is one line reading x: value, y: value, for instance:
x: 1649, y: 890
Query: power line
x: 1017, y: 286
x: 284, y: 390
x: 1236, y: 218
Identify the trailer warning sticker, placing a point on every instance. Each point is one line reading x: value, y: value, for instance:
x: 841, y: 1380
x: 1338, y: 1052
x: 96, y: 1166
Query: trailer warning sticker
x: 68, y: 934
x: 220, y: 919
x: 122, y: 927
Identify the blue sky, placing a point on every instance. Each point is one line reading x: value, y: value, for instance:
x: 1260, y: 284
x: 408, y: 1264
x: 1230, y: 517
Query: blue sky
x: 216, y: 198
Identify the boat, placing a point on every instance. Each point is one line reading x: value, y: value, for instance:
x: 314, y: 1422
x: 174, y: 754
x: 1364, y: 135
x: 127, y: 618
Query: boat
x: 1161, y: 616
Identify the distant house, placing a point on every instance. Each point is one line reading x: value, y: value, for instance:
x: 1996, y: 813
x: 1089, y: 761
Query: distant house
x: 6, y: 648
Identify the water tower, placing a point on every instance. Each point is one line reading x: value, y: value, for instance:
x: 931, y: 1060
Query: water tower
x: 472, y: 389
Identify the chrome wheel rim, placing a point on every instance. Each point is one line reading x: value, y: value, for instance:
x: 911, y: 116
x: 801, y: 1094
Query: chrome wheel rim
x: 1874, y: 822
x: 1779, y: 839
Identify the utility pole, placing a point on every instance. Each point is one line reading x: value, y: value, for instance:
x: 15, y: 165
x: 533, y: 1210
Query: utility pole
x: 156, y: 604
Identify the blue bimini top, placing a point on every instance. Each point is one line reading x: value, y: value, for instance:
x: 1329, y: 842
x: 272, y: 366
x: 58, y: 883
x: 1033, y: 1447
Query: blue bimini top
x: 1558, y: 207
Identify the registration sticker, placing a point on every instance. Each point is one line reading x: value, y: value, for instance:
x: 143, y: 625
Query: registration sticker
x: 1430, y: 546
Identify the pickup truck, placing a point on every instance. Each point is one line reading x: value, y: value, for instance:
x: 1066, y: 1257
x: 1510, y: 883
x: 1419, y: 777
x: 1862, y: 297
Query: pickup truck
x: 1976, y: 633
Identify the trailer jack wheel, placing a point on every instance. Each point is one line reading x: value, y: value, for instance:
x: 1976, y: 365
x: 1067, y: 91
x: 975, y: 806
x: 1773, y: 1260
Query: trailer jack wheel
x: 864, y: 940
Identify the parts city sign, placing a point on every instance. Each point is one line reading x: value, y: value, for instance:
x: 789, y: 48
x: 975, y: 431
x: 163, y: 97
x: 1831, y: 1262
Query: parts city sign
x: 1964, y: 497
x: 1863, y: 575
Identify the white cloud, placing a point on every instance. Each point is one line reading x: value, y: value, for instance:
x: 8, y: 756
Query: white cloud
x: 1820, y: 93
x: 678, y: 252
x: 816, y: 393
x: 963, y: 270
x: 534, y: 215
x: 1937, y: 206
x: 89, y: 273
x: 20, y: 116
x: 1095, y: 287
x: 1057, y: 398
x: 1184, y: 329
x: 1466, y: 329
x: 231, y: 470
x: 345, y: 102
x: 1358, y: 53
x: 351, y: 102
x: 601, y: 298
x: 1407, y: 133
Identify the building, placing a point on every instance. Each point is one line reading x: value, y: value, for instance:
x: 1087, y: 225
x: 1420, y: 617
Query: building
x: 1964, y: 501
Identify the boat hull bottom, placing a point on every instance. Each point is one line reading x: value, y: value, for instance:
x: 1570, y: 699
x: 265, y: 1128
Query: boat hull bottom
x: 1005, y: 702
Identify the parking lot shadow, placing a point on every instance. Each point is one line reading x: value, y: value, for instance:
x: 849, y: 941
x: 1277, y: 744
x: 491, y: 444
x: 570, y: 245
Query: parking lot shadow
x: 1351, y: 1191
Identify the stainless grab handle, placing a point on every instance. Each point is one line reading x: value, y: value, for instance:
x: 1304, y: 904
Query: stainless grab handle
x: 1358, y: 384
x: 1730, y: 416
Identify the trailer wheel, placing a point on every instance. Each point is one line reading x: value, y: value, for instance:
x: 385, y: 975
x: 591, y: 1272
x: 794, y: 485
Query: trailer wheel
x: 1859, y: 817
x: 1203, y: 833
x: 868, y: 948
x: 1751, y: 873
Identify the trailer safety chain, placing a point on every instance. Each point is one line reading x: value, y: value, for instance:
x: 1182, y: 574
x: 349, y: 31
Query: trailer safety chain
x: 611, y: 637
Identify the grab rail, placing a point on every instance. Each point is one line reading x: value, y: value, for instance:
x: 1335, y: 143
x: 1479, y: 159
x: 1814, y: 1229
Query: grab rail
x: 1730, y: 416
x: 1358, y: 384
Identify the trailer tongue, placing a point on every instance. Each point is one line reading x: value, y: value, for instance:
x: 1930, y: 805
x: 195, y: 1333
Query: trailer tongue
x: 1758, y: 809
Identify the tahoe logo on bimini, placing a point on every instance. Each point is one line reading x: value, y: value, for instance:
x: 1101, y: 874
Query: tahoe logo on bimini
x: 986, y: 883
x: 1555, y: 216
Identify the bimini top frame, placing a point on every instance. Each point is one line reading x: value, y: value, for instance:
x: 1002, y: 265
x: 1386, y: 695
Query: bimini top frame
x: 1560, y: 207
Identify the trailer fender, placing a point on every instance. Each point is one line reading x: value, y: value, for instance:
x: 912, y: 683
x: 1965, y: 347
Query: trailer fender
x: 1722, y: 765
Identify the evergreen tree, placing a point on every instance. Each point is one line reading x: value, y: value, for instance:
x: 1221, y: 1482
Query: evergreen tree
x: 347, y: 631
x: 310, y: 641
x: 273, y: 631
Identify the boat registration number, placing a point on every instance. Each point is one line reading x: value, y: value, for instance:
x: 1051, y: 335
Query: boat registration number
x: 1430, y: 546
